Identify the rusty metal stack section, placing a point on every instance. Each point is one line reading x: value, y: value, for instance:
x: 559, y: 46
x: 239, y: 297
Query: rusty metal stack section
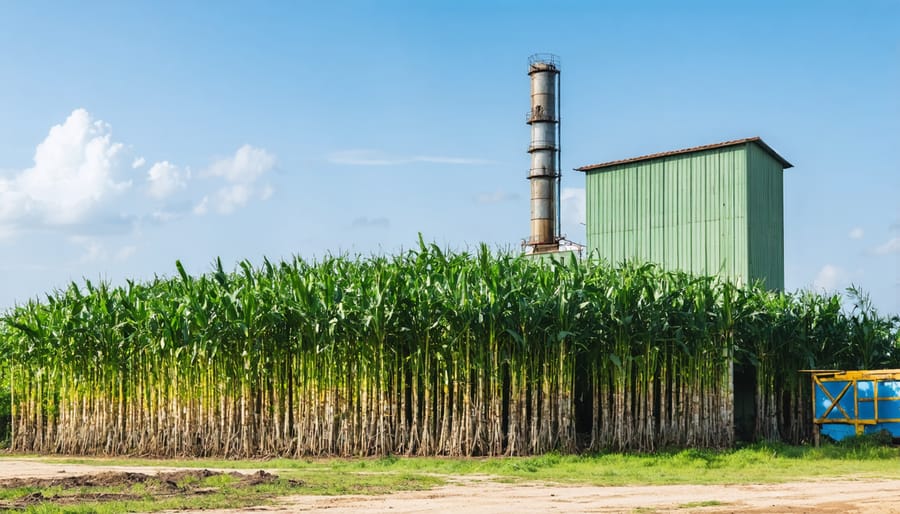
x: 544, y: 149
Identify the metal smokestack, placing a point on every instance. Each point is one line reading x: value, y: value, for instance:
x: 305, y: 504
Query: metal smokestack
x: 544, y: 149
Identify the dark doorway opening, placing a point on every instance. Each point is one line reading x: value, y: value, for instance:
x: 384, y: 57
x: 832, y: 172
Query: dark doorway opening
x: 744, y: 402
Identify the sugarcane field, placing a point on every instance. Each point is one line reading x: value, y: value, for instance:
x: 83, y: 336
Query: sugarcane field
x: 427, y: 353
x: 430, y: 353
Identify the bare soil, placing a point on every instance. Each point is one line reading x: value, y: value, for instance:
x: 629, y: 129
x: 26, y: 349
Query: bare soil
x: 79, y: 488
x: 491, y: 497
x: 481, y: 495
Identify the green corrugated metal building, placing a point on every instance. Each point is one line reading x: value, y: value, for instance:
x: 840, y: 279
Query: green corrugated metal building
x: 714, y: 209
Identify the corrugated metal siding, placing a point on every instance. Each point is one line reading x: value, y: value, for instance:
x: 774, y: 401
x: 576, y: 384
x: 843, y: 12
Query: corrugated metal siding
x: 765, y: 217
x: 685, y: 212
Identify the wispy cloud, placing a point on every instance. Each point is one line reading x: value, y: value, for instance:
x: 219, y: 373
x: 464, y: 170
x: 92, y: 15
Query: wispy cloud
x: 376, y: 158
x: 856, y: 233
x: 125, y: 253
x: 573, y: 205
x: 365, y: 223
x: 202, y: 206
x: 495, y: 197
x: 94, y: 250
x: 890, y: 247
x: 165, y: 216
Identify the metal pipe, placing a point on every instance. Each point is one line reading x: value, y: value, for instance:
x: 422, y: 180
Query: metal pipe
x: 558, y: 156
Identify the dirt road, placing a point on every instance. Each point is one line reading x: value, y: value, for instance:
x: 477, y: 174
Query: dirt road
x: 481, y: 495
x: 492, y: 497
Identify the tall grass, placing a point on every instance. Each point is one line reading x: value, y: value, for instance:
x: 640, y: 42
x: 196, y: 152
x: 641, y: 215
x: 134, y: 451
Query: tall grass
x: 424, y: 353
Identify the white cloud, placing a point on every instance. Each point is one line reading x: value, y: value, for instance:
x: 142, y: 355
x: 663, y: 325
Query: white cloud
x: 164, y: 179
x: 829, y: 277
x: 247, y: 165
x: 241, y: 172
x: 224, y: 201
x: 890, y: 247
x: 80, y: 183
x: 495, y: 197
x: 856, y: 233
x: 573, y: 205
x: 229, y: 198
x: 376, y: 158
x: 76, y: 170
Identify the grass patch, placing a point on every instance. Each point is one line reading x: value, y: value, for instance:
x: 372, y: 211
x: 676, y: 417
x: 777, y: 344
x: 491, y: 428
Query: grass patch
x: 705, y: 503
x: 757, y: 463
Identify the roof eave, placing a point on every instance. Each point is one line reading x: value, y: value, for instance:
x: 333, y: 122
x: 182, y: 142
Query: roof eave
x: 768, y: 149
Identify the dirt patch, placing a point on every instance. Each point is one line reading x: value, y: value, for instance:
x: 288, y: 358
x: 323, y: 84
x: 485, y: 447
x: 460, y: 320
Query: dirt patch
x: 81, y: 488
x: 868, y: 496
x: 115, y: 479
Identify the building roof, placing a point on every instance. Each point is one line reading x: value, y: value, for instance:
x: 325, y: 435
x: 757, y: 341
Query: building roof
x: 757, y: 140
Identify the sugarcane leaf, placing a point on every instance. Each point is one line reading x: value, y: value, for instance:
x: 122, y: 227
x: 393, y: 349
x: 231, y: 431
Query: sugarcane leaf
x: 616, y: 361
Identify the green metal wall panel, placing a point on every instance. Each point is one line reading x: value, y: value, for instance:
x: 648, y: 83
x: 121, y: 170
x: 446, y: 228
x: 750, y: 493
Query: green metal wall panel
x: 765, y: 218
x: 715, y: 211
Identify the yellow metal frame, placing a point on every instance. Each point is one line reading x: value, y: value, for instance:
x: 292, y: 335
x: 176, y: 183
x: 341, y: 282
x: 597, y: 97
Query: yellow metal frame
x: 819, y: 378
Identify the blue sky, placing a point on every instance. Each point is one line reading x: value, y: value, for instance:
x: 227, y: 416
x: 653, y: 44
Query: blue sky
x: 133, y: 134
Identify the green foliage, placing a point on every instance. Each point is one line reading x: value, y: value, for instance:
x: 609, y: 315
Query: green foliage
x: 874, y: 339
x: 875, y: 440
x: 424, y: 353
x: 5, y: 403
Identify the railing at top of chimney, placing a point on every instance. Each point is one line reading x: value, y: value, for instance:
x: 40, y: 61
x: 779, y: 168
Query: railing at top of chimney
x: 535, y: 59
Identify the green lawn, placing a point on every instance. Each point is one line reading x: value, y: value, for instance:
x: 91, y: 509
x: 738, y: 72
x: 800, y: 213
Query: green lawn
x: 759, y: 463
